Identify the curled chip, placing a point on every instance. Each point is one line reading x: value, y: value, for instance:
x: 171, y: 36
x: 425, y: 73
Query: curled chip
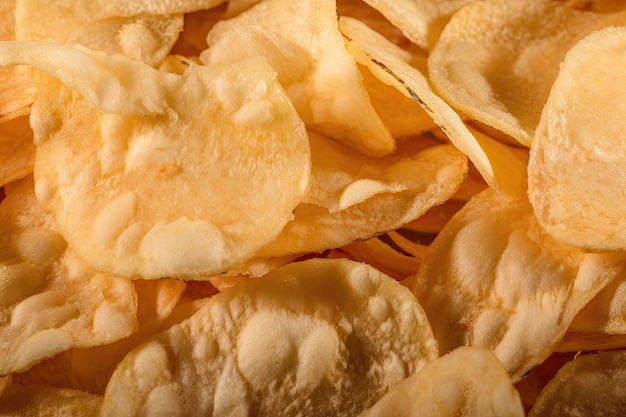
x: 318, y: 337
x: 494, y: 278
x: 496, y: 60
x: 353, y: 197
x: 303, y: 43
x: 499, y: 167
x: 468, y: 381
x: 50, y: 301
x: 576, y: 171
x: 589, y: 385
x: 156, y: 174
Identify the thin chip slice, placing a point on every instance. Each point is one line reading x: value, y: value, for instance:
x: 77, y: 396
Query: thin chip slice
x: 494, y: 278
x: 303, y: 43
x: 318, y: 337
x: 170, y: 175
x: 39, y: 400
x: 496, y: 60
x: 17, y: 150
x: 144, y: 37
x: 576, y: 171
x: 50, y: 301
x: 357, y: 206
x: 419, y: 20
x: 499, y: 167
x: 468, y: 381
x: 589, y: 385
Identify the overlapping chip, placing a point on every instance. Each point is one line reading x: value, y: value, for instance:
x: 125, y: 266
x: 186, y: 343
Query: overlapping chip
x: 468, y: 381
x: 494, y: 278
x: 576, y: 170
x: 303, y: 43
x: 156, y: 205
x: 303, y: 340
x: 496, y: 60
x: 50, y: 301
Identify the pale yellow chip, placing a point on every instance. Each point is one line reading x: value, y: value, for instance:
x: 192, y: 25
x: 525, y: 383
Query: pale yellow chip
x: 50, y: 301
x: 494, y: 278
x: 17, y: 150
x: 319, y: 337
x: 39, y: 400
x: 419, y: 20
x: 303, y: 43
x: 90, y: 369
x: 499, y: 167
x: 144, y: 37
x: 170, y: 175
x: 606, y: 313
x: 469, y: 381
x: 576, y: 170
x: 352, y: 197
x: 589, y: 385
x: 496, y: 60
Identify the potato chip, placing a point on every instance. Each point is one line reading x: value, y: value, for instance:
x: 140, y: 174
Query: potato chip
x: 577, y: 342
x: 303, y: 43
x: 496, y: 60
x: 598, y: 6
x: 589, y: 385
x: 469, y: 381
x: 351, y: 198
x: 577, y: 159
x: 38, y: 400
x: 90, y: 369
x: 606, y: 312
x: 50, y: 301
x: 419, y: 20
x: 494, y: 278
x: 17, y: 150
x: 5, y: 382
x: 377, y: 21
x: 105, y: 9
x: 192, y: 40
x: 170, y: 175
x: 500, y: 169
x: 144, y: 37
x: 319, y: 337
x: 17, y: 89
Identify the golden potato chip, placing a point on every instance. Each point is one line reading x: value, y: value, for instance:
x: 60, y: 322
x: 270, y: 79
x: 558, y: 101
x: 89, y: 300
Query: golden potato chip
x: 599, y: 6
x: 170, y: 175
x: 145, y: 37
x: 494, y: 278
x: 469, y: 381
x: 5, y: 382
x: 606, y: 312
x: 192, y: 40
x: 589, y: 385
x: 399, y: 113
x: 50, y: 301
x: 105, y: 9
x: 351, y: 198
x: 39, y: 400
x: 17, y: 150
x: 577, y: 342
x: 319, y: 337
x: 577, y: 159
x: 419, y: 20
x: 377, y: 21
x: 303, y: 43
x: 496, y: 60
x: 90, y: 369
x: 499, y: 167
